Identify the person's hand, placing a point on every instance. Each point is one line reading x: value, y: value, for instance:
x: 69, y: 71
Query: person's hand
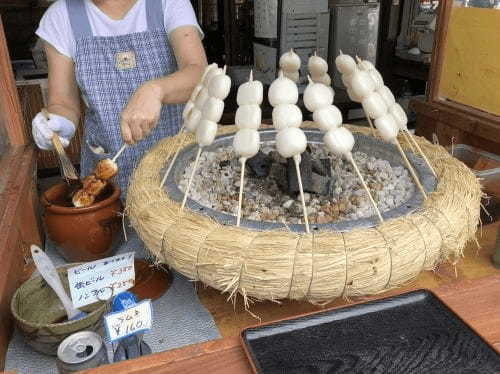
x: 43, y: 130
x: 142, y: 113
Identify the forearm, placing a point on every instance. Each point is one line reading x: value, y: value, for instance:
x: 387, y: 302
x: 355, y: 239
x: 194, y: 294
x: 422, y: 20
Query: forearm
x: 176, y: 88
x: 64, y: 109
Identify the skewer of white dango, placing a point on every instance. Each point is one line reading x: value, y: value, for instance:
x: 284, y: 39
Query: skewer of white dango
x: 191, y: 116
x: 387, y: 96
x: 246, y: 141
x: 208, y: 110
x: 291, y: 141
x: 374, y: 105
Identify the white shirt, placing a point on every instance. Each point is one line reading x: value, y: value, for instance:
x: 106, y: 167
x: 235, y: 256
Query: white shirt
x: 55, y: 26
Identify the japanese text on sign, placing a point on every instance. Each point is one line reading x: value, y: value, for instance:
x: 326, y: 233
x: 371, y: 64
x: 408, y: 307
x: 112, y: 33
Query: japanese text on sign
x: 133, y: 320
x: 98, y: 280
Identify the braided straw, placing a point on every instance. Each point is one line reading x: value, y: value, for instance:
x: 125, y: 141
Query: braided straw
x: 281, y: 264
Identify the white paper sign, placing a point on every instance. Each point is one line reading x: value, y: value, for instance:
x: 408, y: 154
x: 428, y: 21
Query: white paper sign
x: 101, y: 279
x: 133, y: 320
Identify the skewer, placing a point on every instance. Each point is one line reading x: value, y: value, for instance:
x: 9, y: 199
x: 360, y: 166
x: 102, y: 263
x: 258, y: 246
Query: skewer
x: 240, y: 197
x: 407, y: 139
x: 195, y: 166
x: 299, y: 177
x: 119, y: 152
x: 179, y: 147
x: 410, y: 168
x: 410, y: 135
x: 351, y: 159
x: 374, y: 133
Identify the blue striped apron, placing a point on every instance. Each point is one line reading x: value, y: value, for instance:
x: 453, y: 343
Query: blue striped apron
x: 108, y: 71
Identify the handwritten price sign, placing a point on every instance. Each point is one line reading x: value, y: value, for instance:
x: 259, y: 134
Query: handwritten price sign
x: 131, y: 321
x: 98, y: 280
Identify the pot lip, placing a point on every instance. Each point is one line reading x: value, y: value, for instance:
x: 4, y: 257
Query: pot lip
x: 53, y: 326
x: 74, y: 210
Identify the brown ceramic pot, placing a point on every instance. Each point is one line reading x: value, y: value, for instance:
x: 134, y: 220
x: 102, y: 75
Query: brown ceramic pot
x: 83, y: 234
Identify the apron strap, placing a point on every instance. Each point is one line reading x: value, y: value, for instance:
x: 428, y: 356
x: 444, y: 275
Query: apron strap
x: 154, y: 15
x: 78, y: 18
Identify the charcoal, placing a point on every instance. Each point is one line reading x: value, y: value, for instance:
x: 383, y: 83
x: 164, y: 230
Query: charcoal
x: 260, y: 164
x: 305, y: 172
x: 320, y: 184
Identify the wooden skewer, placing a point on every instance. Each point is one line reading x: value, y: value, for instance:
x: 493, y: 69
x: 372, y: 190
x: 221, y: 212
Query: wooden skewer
x: 410, y: 168
x: 299, y: 177
x: 119, y: 152
x: 410, y: 135
x: 179, y: 147
x: 405, y: 135
x: 195, y: 166
x: 243, y: 161
x: 374, y: 133
x: 351, y: 159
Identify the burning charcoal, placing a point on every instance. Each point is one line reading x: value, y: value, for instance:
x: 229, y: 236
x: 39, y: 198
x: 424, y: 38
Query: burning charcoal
x: 278, y: 173
x: 260, y: 164
x: 322, y: 167
x: 305, y: 171
x: 224, y: 163
x: 320, y: 184
x: 276, y: 157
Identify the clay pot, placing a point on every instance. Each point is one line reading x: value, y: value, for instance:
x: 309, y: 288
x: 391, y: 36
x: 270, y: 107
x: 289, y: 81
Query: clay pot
x: 41, y: 318
x: 83, y: 234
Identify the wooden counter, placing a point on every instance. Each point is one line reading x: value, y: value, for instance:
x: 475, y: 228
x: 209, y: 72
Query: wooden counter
x: 476, y: 301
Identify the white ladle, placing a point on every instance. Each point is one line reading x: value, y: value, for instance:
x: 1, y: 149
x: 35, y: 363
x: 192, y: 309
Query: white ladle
x: 47, y: 270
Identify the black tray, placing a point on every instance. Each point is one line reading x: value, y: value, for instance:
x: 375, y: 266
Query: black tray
x: 410, y: 333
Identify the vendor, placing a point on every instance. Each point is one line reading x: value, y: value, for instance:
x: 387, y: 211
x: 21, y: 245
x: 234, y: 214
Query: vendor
x: 134, y: 61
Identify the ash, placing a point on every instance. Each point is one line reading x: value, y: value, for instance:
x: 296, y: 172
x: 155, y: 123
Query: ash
x: 339, y: 196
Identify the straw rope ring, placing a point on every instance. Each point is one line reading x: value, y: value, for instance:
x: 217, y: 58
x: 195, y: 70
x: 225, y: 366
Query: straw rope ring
x: 271, y: 265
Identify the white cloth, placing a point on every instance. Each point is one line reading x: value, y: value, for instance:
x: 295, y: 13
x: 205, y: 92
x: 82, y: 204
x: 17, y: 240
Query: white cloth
x: 44, y: 129
x: 55, y: 27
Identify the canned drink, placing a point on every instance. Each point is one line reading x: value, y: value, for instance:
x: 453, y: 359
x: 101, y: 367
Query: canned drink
x: 79, y: 351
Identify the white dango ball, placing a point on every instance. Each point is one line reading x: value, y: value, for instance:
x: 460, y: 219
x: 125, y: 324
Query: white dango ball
x: 292, y: 75
x: 399, y: 115
x: 345, y: 64
x: 286, y: 115
x: 207, y: 69
x: 362, y: 84
x: 365, y: 65
x: 210, y: 74
x: 219, y: 86
x: 324, y: 79
x: 317, y: 95
x: 353, y: 96
x: 213, y: 109
x: 187, y: 110
x: 339, y: 141
x: 248, y: 117
x: 387, y: 95
x: 377, y: 78
x: 327, y: 118
x: 317, y: 66
x: 246, y: 143
x: 206, y: 132
x: 387, y: 127
x: 374, y: 105
x: 250, y: 92
x: 289, y: 61
x: 202, y: 97
x: 291, y: 142
x: 283, y: 91
x: 346, y: 80
x: 193, y: 120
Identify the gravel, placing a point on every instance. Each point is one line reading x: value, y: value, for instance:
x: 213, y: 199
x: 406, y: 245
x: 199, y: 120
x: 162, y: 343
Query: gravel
x: 217, y: 181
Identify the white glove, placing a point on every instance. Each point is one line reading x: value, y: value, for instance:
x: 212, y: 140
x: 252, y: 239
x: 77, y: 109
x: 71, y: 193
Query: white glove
x: 43, y: 130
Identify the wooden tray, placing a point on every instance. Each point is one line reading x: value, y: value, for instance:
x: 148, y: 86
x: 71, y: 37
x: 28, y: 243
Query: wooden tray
x: 411, y: 333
